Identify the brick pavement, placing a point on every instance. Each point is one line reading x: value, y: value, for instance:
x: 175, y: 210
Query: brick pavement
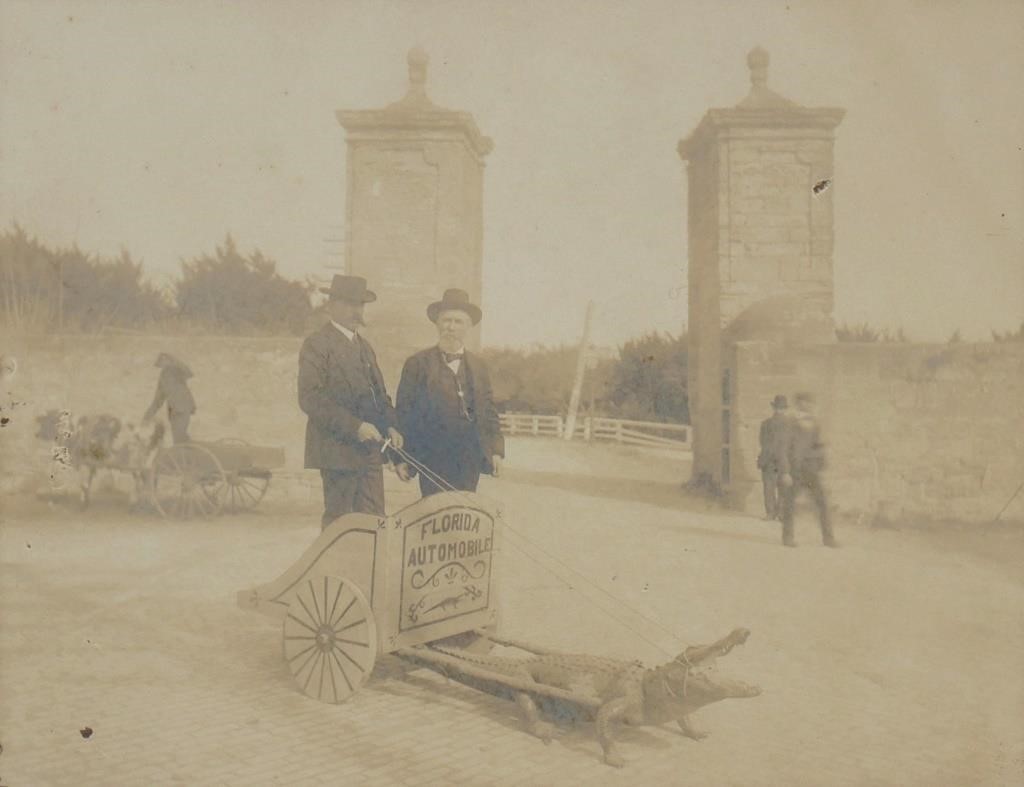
x: 888, y: 662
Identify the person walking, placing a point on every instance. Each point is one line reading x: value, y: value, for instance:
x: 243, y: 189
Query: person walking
x: 445, y: 404
x: 342, y: 392
x: 771, y: 432
x: 801, y: 460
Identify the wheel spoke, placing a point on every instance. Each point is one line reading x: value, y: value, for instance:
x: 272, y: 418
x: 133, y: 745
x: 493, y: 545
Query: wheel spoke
x: 344, y: 612
x: 304, y: 625
x: 355, y: 663
x: 350, y: 625
x: 341, y: 669
x: 334, y: 606
x: 312, y: 619
x: 303, y: 651
x: 316, y: 604
x: 334, y: 683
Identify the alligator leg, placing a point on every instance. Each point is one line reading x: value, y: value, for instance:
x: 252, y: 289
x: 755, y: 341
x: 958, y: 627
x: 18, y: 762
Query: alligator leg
x: 612, y: 711
x: 690, y: 732
x: 531, y: 718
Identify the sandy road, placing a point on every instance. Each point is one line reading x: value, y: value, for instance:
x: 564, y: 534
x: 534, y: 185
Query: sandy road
x: 892, y: 661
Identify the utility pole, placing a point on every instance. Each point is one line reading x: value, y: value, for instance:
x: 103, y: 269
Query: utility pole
x: 581, y: 367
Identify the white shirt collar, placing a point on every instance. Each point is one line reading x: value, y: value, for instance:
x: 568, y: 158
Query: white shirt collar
x: 351, y: 335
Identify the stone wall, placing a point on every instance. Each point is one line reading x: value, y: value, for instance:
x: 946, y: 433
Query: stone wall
x: 914, y: 431
x: 244, y: 388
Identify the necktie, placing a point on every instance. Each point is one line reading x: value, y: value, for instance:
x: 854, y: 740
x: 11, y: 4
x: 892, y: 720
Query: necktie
x: 364, y: 356
x: 449, y: 357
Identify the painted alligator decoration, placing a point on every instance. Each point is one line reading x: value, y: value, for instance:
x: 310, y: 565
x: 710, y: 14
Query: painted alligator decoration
x: 605, y: 689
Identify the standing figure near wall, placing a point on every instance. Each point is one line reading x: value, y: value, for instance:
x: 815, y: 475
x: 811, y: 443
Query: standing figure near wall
x: 772, y: 430
x: 172, y: 387
x: 801, y: 460
x: 342, y: 392
x: 445, y: 405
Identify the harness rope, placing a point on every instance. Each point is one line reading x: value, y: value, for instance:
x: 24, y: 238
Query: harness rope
x: 442, y: 483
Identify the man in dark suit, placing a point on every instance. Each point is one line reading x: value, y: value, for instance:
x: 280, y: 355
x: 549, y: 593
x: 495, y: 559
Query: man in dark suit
x: 342, y: 391
x: 771, y: 433
x: 445, y: 406
x: 801, y: 459
x: 172, y: 388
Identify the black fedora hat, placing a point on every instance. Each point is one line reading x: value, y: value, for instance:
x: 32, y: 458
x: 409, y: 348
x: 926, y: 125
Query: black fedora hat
x: 780, y: 402
x: 454, y: 300
x: 349, y: 288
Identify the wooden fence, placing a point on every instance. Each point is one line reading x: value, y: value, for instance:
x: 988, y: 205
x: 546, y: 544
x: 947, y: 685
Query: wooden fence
x: 642, y: 433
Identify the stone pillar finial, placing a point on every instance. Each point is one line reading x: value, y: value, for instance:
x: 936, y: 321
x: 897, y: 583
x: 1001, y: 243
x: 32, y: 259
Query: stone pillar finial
x: 418, y: 60
x: 757, y: 62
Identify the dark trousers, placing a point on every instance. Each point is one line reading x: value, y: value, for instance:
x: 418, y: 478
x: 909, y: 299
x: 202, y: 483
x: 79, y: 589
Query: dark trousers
x: 770, y: 480
x: 179, y: 426
x: 811, y: 482
x: 348, y: 491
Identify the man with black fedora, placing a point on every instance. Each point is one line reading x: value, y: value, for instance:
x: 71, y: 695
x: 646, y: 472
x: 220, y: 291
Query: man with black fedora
x: 342, y: 392
x: 767, y: 460
x: 445, y: 405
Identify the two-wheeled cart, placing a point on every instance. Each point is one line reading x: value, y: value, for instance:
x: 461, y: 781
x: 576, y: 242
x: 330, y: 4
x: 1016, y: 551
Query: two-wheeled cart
x: 384, y: 584
x: 204, y: 478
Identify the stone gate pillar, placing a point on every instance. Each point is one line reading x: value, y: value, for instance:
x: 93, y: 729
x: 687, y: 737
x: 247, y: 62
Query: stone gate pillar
x: 414, y: 215
x: 760, y: 245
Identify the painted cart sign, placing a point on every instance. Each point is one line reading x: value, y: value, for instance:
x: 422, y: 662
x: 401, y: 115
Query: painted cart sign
x: 446, y: 565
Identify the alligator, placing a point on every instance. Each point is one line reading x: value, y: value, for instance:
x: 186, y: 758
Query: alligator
x: 610, y: 690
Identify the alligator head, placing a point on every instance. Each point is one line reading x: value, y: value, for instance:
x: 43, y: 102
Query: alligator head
x: 690, y: 681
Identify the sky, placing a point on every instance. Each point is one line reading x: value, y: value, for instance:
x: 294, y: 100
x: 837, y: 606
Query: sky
x: 161, y: 127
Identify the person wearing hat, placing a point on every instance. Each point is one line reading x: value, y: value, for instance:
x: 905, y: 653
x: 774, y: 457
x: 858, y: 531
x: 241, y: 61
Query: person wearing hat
x: 771, y: 433
x: 342, y: 392
x: 445, y: 405
x: 172, y: 388
x: 801, y: 459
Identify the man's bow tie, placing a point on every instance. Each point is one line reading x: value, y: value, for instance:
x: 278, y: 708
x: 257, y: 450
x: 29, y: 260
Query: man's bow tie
x: 449, y: 357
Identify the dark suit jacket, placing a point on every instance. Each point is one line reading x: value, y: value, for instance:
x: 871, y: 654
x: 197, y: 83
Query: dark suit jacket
x: 772, y: 431
x: 801, y: 450
x: 420, y: 413
x: 339, y: 393
x: 173, y: 389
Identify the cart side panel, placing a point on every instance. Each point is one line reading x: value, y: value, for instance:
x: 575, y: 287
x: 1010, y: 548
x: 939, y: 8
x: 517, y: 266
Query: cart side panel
x: 235, y: 455
x: 439, y: 565
x: 351, y: 548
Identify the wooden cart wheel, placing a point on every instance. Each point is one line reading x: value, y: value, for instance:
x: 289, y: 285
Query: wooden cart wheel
x: 186, y: 480
x: 330, y: 639
x: 245, y: 489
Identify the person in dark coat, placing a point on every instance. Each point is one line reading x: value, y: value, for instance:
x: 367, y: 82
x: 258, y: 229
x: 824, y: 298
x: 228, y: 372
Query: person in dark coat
x: 445, y: 405
x: 771, y: 433
x: 342, y: 392
x: 172, y: 388
x: 801, y: 459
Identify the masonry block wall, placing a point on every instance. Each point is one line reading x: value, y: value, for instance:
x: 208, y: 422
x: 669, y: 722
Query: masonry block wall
x: 914, y: 432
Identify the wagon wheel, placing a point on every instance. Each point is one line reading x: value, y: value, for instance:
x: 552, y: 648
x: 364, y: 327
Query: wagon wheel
x: 186, y: 480
x: 245, y: 489
x: 330, y: 638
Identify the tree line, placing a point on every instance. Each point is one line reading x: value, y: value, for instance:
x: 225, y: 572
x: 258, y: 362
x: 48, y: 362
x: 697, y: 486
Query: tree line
x: 46, y: 289
x: 227, y: 292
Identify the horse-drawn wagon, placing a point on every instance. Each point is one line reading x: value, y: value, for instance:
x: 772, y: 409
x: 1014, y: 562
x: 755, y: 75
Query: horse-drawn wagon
x: 180, y: 480
x: 422, y: 584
